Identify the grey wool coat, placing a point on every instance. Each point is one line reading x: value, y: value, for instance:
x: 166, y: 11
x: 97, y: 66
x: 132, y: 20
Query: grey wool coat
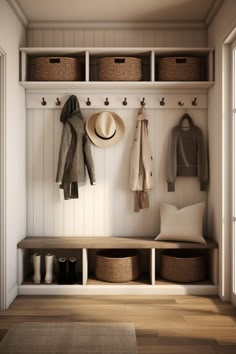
x: 187, y: 154
x: 75, y: 150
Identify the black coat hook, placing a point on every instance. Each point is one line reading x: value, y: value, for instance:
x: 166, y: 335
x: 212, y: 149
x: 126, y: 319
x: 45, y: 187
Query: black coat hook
x: 88, y: 102
x: 162, y: 102
x: 194, y: 102
x: 143, y: 102
x: 180, y: 103
x: 125, y: 102
x: 43, y: 102
x: 106, y: 102
x: 58, y: 102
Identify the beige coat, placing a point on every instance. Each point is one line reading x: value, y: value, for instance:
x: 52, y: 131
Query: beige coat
x: 141, y: 170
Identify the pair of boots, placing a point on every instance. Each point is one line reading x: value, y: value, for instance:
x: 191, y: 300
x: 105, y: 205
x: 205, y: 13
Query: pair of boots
x: 48, y: 268
x: 67, y: 274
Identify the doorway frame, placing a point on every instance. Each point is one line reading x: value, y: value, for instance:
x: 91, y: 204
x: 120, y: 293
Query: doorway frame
x: 3, y: 279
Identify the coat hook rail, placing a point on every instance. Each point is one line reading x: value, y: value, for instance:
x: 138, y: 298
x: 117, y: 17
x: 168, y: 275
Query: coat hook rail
x: 181, y: 104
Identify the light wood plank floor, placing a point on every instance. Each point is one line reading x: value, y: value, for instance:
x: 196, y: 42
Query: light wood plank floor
x: 164, y: 324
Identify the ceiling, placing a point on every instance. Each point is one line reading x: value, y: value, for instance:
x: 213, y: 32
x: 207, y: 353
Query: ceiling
x: 117, y: 10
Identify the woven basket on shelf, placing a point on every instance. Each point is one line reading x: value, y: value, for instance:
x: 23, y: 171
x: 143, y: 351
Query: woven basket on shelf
x: 117, y: 265
x: 179, y: 69
x: 120, y: 69
x: 183, y: 266
x: 56, y: 69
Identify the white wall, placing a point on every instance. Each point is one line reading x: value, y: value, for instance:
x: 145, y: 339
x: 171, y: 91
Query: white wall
x: 12, y: 36
x: 116, y: 38
x: 219, y: 29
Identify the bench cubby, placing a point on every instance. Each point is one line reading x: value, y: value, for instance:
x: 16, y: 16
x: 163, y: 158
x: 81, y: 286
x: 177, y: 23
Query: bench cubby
x: 84, y: 248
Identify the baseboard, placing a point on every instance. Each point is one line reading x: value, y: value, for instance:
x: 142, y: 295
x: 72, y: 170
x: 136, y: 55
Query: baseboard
x: 12, y: 294
x: 207, y: 290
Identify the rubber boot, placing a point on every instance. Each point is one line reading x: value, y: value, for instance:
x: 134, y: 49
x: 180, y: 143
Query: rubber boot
x: 37, y: 268
x: 49, y: 268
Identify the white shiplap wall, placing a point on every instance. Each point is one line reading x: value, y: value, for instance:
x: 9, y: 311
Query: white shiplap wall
x: 107, y: 208
x: 116, y: 38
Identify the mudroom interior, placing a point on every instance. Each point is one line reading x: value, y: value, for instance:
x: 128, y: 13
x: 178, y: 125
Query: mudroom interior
x: 118, y: 176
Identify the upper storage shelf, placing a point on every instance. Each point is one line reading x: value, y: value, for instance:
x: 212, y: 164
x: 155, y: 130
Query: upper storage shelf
x: 89, y: 58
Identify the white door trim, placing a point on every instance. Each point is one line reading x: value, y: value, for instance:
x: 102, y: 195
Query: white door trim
x: 3, y: 287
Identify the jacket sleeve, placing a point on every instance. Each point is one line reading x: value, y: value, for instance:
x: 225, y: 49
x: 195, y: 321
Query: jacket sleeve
x: 202, y: 162
x: 88, y: 159
x: 172, y: 161
x: 64, y: 149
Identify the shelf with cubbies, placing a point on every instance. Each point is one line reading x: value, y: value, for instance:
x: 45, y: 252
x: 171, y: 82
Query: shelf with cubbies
x: 89, y: 58
x: 84, y: 249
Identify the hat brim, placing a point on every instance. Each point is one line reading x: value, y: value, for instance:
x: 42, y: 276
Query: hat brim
x: 90, y: 128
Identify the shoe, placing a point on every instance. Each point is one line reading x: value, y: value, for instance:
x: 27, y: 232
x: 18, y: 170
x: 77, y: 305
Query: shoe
x: 72, y: 272
x: 62, y: 275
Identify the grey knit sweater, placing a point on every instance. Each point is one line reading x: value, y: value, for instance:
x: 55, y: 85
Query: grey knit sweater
x: 187, y: 155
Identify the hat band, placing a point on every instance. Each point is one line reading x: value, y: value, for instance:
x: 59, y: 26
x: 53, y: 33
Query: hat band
x: 101, y: 137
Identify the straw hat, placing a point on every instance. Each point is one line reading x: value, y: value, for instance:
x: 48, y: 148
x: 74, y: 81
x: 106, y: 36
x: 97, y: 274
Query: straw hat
x: 105, y: 128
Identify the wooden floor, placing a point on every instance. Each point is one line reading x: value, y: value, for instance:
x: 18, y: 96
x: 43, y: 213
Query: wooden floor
x: 164, y: 324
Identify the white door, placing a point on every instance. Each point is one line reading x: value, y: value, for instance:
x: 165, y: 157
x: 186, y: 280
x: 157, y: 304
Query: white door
x: 234, y: 173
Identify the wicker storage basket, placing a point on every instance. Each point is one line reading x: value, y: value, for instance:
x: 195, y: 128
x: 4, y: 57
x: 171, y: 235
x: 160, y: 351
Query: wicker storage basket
x: 56, y: 69
x: 179, y: 69
x: 183, y: 266
x: 117, y: 266
x: 120, y: 69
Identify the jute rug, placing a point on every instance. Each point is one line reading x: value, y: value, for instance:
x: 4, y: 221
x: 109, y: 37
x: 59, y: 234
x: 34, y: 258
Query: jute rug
x: 67, y: 338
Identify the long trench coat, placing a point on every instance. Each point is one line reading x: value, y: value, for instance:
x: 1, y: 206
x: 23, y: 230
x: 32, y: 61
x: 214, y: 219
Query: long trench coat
x: 141, y: 169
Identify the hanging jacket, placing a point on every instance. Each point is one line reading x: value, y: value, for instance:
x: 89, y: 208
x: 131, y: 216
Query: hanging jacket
x: 187, y: 155
x: 141, y: 179
x: 75, y: 150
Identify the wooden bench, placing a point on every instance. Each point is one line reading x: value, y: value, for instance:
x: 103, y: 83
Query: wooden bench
x: 90, y: 285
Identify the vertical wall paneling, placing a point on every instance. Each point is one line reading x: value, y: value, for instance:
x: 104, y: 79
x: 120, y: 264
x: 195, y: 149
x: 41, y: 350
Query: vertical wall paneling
x: 58, y: 202
x: 117, y: 38
x: 38, y: 171
x: 30, y: 172
x: 89, y: 191
x: 69, y: 38
x: 58, y: 36
x: 106, y: 208
x: 38, y: 38
x: 48, y: 39
x: 79, y: 38
x: 49, y: 178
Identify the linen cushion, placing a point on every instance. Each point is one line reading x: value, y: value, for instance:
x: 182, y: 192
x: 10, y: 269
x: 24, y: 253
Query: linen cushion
x: 181, y: 224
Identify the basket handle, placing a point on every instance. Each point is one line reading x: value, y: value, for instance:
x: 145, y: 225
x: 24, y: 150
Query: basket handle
x: 54, y: 60
x: 180, y: 60
x: 119, y: 60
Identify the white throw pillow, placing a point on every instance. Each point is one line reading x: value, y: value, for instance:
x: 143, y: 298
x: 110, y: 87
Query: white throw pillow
x: 181, y: 224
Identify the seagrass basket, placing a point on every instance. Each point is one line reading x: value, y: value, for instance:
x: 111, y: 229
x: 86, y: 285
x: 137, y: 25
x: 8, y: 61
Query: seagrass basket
x: 56, y: 69
x: 119, y: 69
x: 179, y: 69
x: 183, y: 266
x: 117, y: 265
